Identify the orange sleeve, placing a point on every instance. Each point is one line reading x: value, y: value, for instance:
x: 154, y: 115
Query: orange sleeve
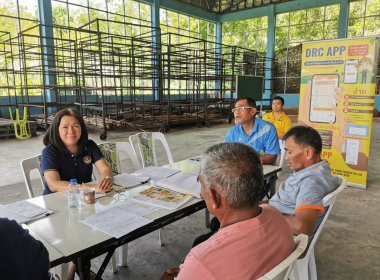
x: 317, y: 207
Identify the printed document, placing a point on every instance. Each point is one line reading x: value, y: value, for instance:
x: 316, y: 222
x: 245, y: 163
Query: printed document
x: 181, y: 182
x: 134, y: 209
x: 156, y: 173
x: 26, y: 209
x: 127, y: 180
x: 116, y: 222
x: 163, y: 198
x: 21, y: 217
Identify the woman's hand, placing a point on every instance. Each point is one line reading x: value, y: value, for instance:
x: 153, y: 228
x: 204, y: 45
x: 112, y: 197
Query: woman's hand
x: 106, y: 173
x: 105, y: 184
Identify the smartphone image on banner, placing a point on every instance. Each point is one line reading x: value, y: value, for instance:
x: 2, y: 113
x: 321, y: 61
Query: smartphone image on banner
x: 322, y: 97
x: 350, y: 71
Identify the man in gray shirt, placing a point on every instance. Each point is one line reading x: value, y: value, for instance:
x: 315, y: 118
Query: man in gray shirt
x: 300, y: 197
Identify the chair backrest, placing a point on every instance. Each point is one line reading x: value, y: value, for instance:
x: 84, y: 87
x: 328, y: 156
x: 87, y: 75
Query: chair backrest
x: 28, y: 165
x: 111, y: 152
x: 329, y: 201
x: 281, y: 156
x: 144, y: 145
x: 126, y: 147
x: 281, y: 271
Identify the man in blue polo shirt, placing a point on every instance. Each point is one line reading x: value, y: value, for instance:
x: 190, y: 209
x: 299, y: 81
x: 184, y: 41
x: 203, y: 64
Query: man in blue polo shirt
x: 259, y: 134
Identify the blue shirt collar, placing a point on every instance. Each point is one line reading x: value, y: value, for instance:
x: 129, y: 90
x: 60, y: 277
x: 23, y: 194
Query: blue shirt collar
x: 80, y: 151
x: 254, y: 130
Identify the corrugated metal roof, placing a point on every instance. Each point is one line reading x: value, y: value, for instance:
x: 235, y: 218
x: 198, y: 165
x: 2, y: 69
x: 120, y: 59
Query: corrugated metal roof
x: 229, y: 6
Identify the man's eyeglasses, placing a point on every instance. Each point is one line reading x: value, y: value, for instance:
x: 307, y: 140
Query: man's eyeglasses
x: 118, y: 193
x: 237, y: 109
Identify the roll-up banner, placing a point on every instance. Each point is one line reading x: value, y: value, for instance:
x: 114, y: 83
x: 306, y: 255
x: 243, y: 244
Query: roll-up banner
x: 338, y: 83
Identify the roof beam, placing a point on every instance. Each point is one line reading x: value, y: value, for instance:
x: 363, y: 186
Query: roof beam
x: 189, y: 10
x: 231, y: 6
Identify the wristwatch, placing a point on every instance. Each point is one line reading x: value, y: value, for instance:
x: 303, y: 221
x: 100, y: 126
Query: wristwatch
x: 108, y: 177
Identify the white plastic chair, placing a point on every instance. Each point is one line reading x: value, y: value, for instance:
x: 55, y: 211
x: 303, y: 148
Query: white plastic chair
x: 120, y: 147
x: 144, y: 145
x: 281, y: 156
x: 306, y: 266
x: 281, y: 271
x: 28, y: 165
x: 109, y: 148
x: 126, y: 147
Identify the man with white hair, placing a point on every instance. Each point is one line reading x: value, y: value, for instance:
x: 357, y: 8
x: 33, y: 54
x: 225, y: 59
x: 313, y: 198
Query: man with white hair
x: 252, y: 239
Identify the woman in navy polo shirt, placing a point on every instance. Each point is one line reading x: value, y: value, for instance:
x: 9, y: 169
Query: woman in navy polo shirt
x: 70, y: 155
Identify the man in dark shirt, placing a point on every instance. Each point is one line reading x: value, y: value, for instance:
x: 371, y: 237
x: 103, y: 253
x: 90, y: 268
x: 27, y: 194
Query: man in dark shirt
x: 21, y: 256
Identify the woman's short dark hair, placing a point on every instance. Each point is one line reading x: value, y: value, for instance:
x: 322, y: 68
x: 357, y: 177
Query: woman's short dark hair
x: 305, y: 136
x: 52, y: 133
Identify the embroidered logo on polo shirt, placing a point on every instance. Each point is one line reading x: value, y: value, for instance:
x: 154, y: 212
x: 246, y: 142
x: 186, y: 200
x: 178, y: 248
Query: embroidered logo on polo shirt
x: 262, y: 153
x: 87, y: 160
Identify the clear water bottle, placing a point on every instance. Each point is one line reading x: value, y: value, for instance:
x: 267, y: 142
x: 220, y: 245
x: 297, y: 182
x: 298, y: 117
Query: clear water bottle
x: 74, y: 194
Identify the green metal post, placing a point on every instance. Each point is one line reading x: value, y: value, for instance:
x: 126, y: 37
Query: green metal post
x: 343, y: 19
x: 46, y: 19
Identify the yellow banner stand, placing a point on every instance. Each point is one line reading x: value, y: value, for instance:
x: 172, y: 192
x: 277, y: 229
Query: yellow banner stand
x: 338, y: 82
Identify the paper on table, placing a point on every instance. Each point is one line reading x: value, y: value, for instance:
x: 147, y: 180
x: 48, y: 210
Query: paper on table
x: 163, y: 198
x: 26, y: 209
x: 115, y: 222
x: 5, y: 213
x: 130, y: 207
x: 128, y: 180
x: 156, y: 173
x: 134, y: 209
x: 99, y: 195
x: 181, y: 182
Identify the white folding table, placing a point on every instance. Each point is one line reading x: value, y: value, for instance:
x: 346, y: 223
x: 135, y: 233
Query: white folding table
x: 67, y: 239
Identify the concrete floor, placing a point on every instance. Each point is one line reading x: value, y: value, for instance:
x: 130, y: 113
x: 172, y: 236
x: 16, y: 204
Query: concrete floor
x: 348, y: 247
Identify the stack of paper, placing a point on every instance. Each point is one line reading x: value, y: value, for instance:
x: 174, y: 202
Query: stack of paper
x: 128, y: 181
x: 181, y: 182
x: 163, y: 198
x: 156, y: 173
x: 119, y: 220
x: 23, y: 212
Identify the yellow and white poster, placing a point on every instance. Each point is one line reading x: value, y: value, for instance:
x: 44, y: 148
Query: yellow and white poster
x: 338, y: 82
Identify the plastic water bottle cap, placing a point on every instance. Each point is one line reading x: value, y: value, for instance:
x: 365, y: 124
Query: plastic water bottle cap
x: 72, y: 181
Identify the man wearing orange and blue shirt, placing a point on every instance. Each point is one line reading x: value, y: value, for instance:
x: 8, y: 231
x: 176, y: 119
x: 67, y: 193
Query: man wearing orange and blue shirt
x: 300, y: 197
